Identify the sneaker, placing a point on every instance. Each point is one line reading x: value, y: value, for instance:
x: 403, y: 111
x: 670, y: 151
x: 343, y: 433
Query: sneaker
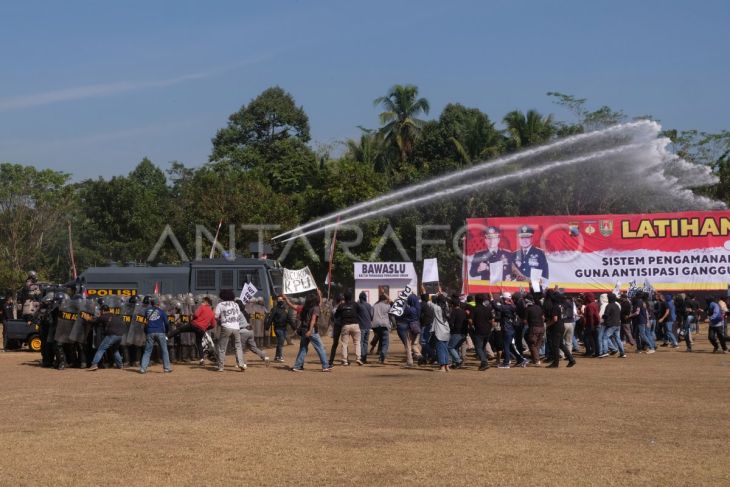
x: 571, y: 363
x: 93, y: 367
x: 279, y: 359
x: 167, y: 371
x: 502, y: 366
x: 534, y: 364
x: 327, y: 369
x: 219, y: 369
x: 142, y: 371
x: 623, y: 355
x: 524, y: 363
x: 201, y: 362
x: 675, y: 346
x: 483, y: 367
x: 651, y: 350
x: 359, y: 362
x: 344, y: 363
x: 294, y: 369
x: 266, y: 361
x: 603, y: 355
x: 242, y: 368
x: 613, y: 352
x: 726, y: 351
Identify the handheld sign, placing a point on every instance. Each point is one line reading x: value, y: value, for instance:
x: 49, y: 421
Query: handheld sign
x: 298, y: 281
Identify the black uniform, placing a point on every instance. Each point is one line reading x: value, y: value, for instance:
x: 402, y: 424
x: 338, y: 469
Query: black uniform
x: 556, y: 327
x: 489, y: 257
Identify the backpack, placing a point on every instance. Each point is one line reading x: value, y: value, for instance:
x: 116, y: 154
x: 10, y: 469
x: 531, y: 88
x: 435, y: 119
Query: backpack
x: 427, y: 316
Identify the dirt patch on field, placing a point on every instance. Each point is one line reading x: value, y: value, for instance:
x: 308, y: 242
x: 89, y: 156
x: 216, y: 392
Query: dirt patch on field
x: 650, y: 419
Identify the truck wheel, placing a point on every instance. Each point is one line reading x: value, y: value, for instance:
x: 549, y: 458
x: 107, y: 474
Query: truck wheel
x: 35, y: 343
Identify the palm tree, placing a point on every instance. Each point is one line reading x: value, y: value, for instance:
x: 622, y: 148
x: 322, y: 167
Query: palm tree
x: 368, y: 150
x: 528, y: 129
x: 400, y: 126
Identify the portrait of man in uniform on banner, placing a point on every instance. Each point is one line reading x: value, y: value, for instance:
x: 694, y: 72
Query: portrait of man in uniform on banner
x: 528, y: 259
x: 486, y: 261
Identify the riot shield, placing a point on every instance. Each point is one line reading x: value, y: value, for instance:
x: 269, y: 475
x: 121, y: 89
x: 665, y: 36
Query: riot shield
x: 127, y: 312
x: 136, y: 335
x: 67, y: 317
x: 88, y: 312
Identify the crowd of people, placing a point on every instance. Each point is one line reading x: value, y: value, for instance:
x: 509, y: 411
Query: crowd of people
x: 525, y: 329
x: 440, y: 331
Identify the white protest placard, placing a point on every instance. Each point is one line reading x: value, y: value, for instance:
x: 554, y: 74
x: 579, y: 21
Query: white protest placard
x: 248, y: 292
x: 536, y: 277
x: 430, y: 270
x: 495, y: 271
x: 298, y: 281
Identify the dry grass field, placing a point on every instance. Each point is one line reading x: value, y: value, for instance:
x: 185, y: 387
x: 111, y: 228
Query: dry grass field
x: 656, y: 419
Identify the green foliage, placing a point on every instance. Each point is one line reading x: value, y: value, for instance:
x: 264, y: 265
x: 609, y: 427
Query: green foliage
x: 526, y: 129
x: 34, y: 205
x: 400, y: 125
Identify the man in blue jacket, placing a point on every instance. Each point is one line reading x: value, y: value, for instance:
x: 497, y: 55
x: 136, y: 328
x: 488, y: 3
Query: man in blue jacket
x: 157, y: 328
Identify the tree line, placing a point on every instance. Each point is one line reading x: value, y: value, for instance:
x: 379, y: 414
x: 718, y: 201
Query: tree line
x: 263, y: 169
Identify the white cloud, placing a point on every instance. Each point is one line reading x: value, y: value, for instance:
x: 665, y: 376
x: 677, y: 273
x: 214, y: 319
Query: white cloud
x: 107, y: 89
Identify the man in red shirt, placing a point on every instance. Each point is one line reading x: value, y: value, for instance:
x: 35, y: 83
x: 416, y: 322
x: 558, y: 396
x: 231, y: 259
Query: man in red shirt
x: 203, y: 320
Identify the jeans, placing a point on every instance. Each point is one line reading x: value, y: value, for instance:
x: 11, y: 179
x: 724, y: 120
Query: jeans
x: 669, y: 333
x: 426, y: 349
x: 408, y: 338
x: 226, y: 334
x: 161, y: 339
x: 304, y: 348
x: 364, y: 342
x: 454, y: 344
x: 480, y: 342
x: 600, y: 344
x: 442, y: 352
x: 687, y: 330
x: 280, y: 340
x: 646, y: 336
x: 613, y: 333
x: 108, y: 342
x: 384, y: 335
x: 508, y: 348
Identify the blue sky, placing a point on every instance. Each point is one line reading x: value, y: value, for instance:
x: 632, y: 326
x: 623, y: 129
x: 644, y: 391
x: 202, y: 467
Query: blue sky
x: 90, y: 88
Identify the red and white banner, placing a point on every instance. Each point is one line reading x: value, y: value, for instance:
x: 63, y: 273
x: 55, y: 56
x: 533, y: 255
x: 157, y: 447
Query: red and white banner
x: 672, y: 251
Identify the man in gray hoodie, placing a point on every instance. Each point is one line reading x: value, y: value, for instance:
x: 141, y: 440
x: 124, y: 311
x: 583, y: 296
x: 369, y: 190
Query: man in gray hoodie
x: 365, y: 320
